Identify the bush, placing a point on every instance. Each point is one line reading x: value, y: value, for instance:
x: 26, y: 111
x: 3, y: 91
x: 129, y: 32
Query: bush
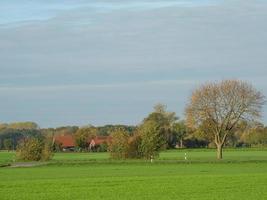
x: 103, y: 147
x: 134, y: 143
x: 47, y: 152
x: 32, y: 149
x: 118, y: 146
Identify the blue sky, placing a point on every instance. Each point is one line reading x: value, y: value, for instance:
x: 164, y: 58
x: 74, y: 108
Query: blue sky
x: 108, y: 62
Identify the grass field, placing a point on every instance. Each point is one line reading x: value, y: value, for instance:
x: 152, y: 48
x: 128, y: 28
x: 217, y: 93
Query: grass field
x: 242, y: 175
x: 6, y: 157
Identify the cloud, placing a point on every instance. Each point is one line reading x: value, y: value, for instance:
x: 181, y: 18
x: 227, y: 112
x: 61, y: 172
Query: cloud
x: 81, y: 87
x: 116, y: 50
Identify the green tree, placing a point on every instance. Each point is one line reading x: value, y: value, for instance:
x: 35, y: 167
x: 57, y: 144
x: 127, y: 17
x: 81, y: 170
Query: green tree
x: 152, y: 138
x: 165, y: 121
x: 108, y: 129
x: 156, y: 131
x: 18, y: 134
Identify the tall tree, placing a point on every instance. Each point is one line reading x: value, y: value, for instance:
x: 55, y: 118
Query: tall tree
x: 152, y: 139
x: 156, y: 131
x: 220, y: 106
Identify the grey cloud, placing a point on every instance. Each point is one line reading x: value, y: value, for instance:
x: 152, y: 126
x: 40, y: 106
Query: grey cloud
x: 88, y: 59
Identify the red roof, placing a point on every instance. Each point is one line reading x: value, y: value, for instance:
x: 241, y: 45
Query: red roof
x: 99, y: 140
x: 65, y: 140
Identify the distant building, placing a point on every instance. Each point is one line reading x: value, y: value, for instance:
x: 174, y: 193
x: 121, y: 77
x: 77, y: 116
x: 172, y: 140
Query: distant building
x: 97, y: 141
x: 66, y: 142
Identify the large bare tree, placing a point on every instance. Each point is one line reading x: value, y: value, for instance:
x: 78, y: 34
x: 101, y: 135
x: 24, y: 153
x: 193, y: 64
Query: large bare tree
x: 220, y: 106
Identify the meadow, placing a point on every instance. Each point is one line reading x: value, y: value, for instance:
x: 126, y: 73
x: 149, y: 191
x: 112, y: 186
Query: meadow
x: 241, y: 175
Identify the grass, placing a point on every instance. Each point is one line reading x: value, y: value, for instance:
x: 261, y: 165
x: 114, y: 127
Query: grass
x: 193, y: 155
x: 242, y: 175
x: 6, y: 157
x: 208, y: 155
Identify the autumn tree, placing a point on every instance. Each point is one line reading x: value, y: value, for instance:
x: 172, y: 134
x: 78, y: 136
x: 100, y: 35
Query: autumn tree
x: 220, y: 106
x: 83, y: 135
x: 23, y: 125
x: 33, y: 149
x: 256, y: 136
x: 134, y: 143
x: 118, y: 146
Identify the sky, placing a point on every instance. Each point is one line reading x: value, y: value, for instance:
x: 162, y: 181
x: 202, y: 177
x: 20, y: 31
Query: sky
x: 80, y: 62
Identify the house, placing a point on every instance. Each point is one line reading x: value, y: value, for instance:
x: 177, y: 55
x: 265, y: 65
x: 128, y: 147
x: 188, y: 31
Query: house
x: 97, y: 141
x: 66, y: 142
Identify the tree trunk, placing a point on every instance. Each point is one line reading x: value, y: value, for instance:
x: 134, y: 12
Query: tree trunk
x: 219, y: 151
x: 181, y: 143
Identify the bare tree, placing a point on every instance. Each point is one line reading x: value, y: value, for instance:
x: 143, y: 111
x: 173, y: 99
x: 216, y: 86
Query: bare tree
x: 220, y: 106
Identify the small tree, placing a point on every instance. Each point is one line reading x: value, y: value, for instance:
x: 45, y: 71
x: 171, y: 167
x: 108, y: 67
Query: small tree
x: 152, y: 139
x: 118, y: 146
x: 156, y: 131
x: 219, y: 107
x: 32, y: 149
x: 83, y: 135
x: 134, y: 144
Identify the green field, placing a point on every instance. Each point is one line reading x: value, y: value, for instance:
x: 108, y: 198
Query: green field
x: 241, y: 175
x: 6, y: 157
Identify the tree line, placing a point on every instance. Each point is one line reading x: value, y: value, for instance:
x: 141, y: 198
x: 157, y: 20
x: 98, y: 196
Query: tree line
x: 218, y: 114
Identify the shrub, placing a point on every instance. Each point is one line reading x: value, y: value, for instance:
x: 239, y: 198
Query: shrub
x: 47, y: 152
x: 134, y: 143
x: 32, y: 149
x: 103, y: 147
x: 118, y: 146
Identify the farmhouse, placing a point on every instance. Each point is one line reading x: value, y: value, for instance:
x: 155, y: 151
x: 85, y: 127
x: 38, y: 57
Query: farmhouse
x: 66, y: 142
x: 97, y: 141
